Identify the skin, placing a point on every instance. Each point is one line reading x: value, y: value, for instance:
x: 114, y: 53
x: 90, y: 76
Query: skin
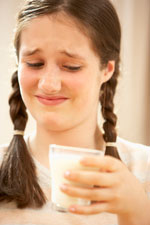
x: 76, y: 117
x: 118, y: 191
x: 81, y: 87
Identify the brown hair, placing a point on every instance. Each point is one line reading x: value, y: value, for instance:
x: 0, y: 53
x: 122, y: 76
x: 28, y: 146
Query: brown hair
x: 18, y: 180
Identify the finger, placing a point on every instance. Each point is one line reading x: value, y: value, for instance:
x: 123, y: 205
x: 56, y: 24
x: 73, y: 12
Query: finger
x: 92, y: 178
x: 104, y: 163
x: 91, y: 209
x: 93, y: 194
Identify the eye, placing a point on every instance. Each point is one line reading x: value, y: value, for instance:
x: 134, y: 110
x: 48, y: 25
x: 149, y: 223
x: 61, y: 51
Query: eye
x: 72, y: 68
x: 35, y: 65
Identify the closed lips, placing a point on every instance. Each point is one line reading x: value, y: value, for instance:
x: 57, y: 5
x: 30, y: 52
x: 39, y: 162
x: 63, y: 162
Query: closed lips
x: 51, y: 98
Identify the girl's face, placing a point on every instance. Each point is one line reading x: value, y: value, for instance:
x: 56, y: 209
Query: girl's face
x: 59, y: 73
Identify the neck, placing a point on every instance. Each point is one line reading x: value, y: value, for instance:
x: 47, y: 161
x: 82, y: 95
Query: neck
x: 80, y: 136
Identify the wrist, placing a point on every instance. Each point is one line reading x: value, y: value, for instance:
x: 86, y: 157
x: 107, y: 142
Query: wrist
x: 141, y: 216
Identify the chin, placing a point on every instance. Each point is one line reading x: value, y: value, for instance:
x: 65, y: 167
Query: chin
x: 55, y: 125
x: 54, y: 122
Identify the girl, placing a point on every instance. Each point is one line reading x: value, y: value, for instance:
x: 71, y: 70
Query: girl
x: 68, y: 61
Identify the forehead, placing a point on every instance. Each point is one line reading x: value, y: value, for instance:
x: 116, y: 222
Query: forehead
x: 56, y: 32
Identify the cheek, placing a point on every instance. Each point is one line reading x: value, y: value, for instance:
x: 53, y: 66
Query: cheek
x: 78, y: 83
x: 26, y: 80
x: 79, y: 90
x: 83, y: 87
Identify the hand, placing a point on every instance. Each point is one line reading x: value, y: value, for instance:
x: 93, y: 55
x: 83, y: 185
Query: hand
x: 116, y: 189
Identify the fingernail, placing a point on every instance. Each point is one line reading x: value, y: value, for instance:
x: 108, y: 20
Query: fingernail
x: 72, y: 209
x: 63, y: 187
x: 83, y: 161
x: 67, y: 173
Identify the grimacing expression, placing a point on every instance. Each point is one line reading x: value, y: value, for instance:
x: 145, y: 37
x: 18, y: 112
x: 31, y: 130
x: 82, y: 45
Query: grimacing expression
x: 59, y: 73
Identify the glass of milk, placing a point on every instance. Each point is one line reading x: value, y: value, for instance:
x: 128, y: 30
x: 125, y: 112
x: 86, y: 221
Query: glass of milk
x: 63, y: 158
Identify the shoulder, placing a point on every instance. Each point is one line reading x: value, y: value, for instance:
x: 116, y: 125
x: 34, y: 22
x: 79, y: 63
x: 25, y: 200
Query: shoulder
x: 3, y: 149
x: 125, y: 146
x: 131, y: 151
x: 136, y: 156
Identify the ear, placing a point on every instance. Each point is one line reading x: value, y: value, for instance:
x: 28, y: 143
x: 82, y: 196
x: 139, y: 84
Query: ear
x: 108, y: 71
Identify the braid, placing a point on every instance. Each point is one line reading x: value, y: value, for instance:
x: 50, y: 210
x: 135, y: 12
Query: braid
x: 18, y: 181
x: 107, y: 106
x: 17, y: 108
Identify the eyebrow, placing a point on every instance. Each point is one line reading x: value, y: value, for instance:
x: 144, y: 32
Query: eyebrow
x: 72, y: 55
x: 30, y: 52
x: 69, y: 54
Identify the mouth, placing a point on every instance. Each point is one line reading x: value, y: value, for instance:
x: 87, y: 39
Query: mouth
x: 54, y: 100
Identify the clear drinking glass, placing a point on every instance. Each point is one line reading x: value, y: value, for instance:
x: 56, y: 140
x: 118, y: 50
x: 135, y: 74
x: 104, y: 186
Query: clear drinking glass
x: 61, y: 159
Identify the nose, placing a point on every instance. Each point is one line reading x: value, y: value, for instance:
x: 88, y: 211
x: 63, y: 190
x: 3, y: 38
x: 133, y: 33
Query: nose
x: 50, y: 81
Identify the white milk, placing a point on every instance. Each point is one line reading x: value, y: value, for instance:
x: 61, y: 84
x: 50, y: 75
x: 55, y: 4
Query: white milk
x: 59, y: 166
x: 59, y: 163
